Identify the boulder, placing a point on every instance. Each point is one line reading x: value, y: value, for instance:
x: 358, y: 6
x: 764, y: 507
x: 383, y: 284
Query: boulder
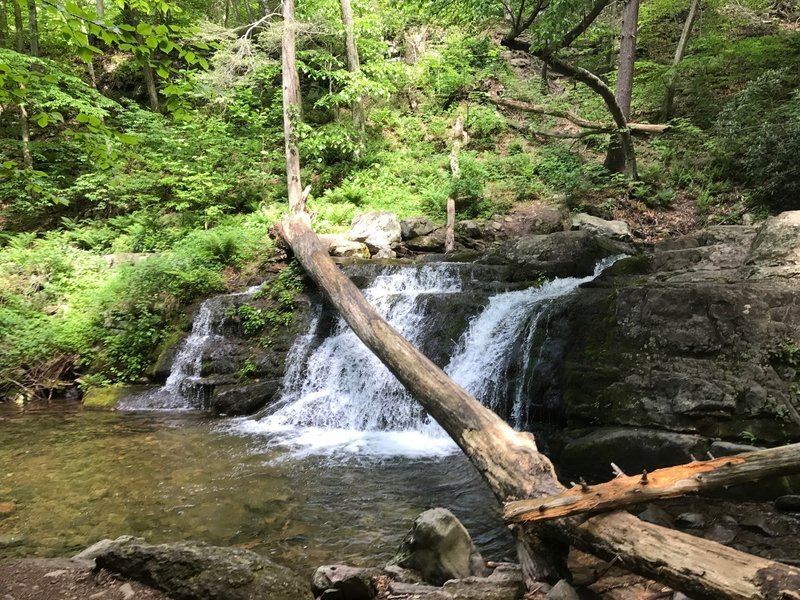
x: 562, y: 591
x: 562, y: 254
x: 433, y: 242
x: 187, y: 571
x: 788, y: 503
x: 351, y: 583
x: 416, y: 226
x: 378, y: 230
x: 690, y: 520
x: 616, y: 230
x: 339, y: 245
x: 243, y: 399
x: 440, y: 548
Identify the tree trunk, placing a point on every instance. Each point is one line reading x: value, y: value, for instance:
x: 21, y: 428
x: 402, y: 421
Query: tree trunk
x: 4, y: 33
x: 353, y: 63
x: 235, y: 10
x: 150, y: 84
x: 19, y: 29
x: 680, y: 51
x: 33, y: 26
x: 291, y: 109
x: 617, y: 157
x: 671, y: 482
x: 101, y: 8
x: 459, y: 138
x: 509, y: 460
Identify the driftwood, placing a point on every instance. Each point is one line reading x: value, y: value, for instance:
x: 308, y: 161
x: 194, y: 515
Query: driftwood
x: 460, y: 138
x: 509, y: 460
x: 671, y: 482
x: 495, y: 98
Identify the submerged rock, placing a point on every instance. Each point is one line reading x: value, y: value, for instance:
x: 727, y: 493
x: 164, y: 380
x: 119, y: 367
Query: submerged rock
x: 440, y: 548
x: 188, y: 571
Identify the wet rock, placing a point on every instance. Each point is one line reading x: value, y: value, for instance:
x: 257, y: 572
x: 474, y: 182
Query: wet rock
x: 427, y: 243
x: 440, y: 548
x: 349, y: 583
x: 720, y: 533
x: 562, y: 254
x: 689, y: 520
x: 416, y: 227
x: 418, y: 591
x: 719, y: 448
x: 757, y: 524
x: 788, y: 503
x: 616, y: 230
x: 243, y: 399
x: 632, y: 449
x: 562, y: 591
x: 378, y: 230
x: 657, y: 516
x: 188, y: 571
x: 12, y: 541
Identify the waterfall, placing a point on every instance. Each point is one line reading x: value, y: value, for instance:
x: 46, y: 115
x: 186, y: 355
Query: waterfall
x: 500, y: 340
x: 339, y: 396
x: 182, y: 389
x: 342, y: 395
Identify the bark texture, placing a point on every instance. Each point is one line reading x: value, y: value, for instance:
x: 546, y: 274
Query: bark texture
x: 671, y: 482
x: 291, y: 108
x: 33, y: 26
x: 353, y: 62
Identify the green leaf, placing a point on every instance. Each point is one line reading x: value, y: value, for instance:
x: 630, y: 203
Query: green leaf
x: 85, y: 54
x: 144, y: 29
x: 42, y: 119
x: 162, y: 72
x: 203, y: 63
x: 152, y: 42
x: 162, y: 30
x: 125, y: 138
x: 190, y: 57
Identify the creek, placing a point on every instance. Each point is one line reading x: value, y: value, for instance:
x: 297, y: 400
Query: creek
x: 335, y: 471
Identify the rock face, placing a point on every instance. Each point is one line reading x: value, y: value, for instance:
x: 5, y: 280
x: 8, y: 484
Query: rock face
x: 698, y: 340
x: 440, y: 548
x: 187, y: 571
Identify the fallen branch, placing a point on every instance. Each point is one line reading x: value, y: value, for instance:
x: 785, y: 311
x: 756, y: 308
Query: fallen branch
x: 672, y: 482
x: 495, y: 98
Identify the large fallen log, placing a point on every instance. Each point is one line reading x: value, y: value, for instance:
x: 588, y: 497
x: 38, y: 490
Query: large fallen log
x: 509, y: 460
x: 513, y: 467
x: 625, y: 491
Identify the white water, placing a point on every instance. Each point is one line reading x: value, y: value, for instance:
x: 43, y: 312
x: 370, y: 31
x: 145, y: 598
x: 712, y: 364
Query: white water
x: 181, y: 391
x: 341, y: 398
x: 502, y: 335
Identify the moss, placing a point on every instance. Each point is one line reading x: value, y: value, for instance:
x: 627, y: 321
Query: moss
x: 104, y: 398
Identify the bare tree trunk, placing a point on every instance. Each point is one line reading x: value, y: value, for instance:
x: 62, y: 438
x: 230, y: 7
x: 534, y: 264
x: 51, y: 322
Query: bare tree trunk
x: 19, y: 28
x: 459, y: 138
x: 4, y: 33
x: 353, y: 62
x: 248, y: 11
x: 680, y: 51
x: 150, y: 84
x: 616, y: 158
x: 235, y: 9
x: 291, y: 109
x: 33, y: 26
x: 101, y: 8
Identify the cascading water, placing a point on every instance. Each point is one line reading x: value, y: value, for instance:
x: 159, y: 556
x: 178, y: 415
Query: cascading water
x: 182, y: 390
x: 341, y: 397
x: 502, y: 337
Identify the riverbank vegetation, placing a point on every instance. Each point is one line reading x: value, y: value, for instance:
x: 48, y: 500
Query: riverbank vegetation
x: 143, y: 158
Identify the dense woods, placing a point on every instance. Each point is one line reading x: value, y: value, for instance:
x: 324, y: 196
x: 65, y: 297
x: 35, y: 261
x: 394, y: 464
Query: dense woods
x: 142, y: 159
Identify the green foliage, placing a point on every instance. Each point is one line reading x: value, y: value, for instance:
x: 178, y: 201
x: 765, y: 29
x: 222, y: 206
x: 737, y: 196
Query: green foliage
x: 758, y: 138
x: 251, y: 318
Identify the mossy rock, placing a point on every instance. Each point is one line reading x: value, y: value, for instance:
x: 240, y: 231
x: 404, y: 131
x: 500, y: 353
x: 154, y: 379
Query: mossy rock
x: 103, y: 398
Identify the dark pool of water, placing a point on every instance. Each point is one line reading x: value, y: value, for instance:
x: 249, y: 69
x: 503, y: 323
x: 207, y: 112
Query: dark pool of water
x: 76, y: 477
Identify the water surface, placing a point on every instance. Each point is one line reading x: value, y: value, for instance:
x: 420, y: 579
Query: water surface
x: 78, y: 476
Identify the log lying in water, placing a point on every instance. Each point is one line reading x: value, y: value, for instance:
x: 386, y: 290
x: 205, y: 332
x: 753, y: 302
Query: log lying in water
x: 513, y: 467
x: 671, y: 482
